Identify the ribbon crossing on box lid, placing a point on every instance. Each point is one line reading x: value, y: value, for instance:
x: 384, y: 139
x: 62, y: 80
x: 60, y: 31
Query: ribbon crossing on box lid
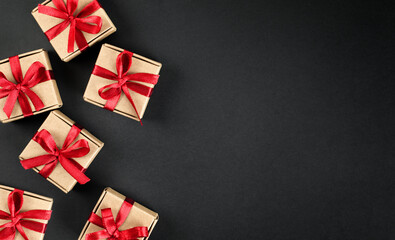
x: 124, y: 82
x: 79, y: 23
x: 18, y: 219
x: 111, y: 225
x: 21, y: 90
x: 64, y: 156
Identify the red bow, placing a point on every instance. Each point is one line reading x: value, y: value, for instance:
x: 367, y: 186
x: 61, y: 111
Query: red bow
x: 18, y: 219
x: 63, y: 156
x: 21, y: 90
x: 111, y: 227
x: 125, y: 81
x: 78, y: 24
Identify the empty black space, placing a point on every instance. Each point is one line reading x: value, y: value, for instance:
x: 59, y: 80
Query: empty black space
x: 271, y: 119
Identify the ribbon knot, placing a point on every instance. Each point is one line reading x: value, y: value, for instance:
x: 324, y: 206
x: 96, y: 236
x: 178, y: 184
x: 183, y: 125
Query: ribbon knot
x: 21, y: 90
x: 79, y: 23
x: 125, y: 82
x: 121, y: 81
x: 18, y: 87
x: 57, y: 153
x: 115, y: 235
x: 15, y: 220
x: 111, y: 226
x: 18, y: 219
x: 64, y: 155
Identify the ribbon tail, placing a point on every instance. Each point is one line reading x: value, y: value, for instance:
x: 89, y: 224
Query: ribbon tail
x: 37, y: 103
x: 10, y: 103
x: 48, y: 169
x: 112, y: 102
x: 7, y: 234
x: 25, y: 105
x: 127, y: 93
x: 74, y: 169
x: 80, y: 40
x: 21, y: 231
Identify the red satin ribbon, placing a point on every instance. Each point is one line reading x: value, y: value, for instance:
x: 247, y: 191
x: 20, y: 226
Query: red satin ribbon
x: 21, y: 90
x: 111, y: 226
x: 125, y: 81
x: 18, y: 219
x: 64, y: 155
x: 82, y: 22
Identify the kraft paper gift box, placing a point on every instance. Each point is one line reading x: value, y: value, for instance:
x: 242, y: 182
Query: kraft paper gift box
x: 139, y: 216
x: 107, y: 59
x: 47, y: 91
x: 59, y: 125
x: 31, y: 201
x: 60, y: 42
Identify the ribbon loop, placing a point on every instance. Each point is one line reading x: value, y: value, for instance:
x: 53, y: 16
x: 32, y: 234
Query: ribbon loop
x: 64, y: 156
x: 111, y: 227
x: 79, y: 23
x: 18, y: 219
x: 21, y: 91
x: 124, y: 62
x: 125, y: 82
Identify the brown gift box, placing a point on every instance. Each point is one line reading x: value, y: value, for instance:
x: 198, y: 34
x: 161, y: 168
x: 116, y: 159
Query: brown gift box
x: 107, y: 59
x: 31, y: 201
x: 59, y: 126
x: 60, y: 42
x: 47, y: 91
x: 139, y: 215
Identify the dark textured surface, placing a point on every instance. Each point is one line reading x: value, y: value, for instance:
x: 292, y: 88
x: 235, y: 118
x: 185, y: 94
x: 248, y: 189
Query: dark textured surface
x: 271, y: 119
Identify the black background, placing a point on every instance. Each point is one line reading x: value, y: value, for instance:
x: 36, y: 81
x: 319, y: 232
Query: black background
x: 271, y: 119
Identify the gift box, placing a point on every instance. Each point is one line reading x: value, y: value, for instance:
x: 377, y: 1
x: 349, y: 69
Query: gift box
x: 122, y: 82
x: 114, y: 209
x: 23, y: 215
x: 73, y: 25
x: 27, y: 86
x: 61, y: 151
